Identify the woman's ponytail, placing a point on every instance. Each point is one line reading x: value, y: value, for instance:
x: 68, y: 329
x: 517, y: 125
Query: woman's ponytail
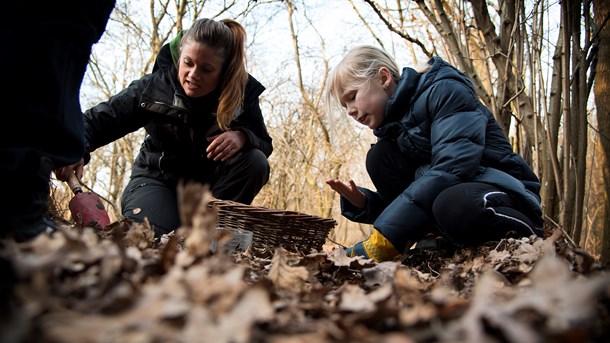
x: 235, y: 76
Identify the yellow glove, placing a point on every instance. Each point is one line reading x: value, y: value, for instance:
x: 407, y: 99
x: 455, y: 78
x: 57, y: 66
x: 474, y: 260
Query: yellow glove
x: 376, y: 247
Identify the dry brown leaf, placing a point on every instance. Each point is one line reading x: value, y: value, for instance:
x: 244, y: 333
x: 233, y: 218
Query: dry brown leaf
x: 408, y: 287
x: 310, y: 337
x: 283, y: 275
x: 340, y: 259
x: 379, y: 274
x: 498, y: 257
x: 236, y: 326
x: 190, y: 195
x: 201, y: 234
x: 218, y: 291
x: 139, y: 235
x: 526, y: 253
x: 354, y: 299
x: 418, y: 313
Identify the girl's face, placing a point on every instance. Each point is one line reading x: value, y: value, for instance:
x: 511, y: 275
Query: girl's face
x: 366, y: 104
x: 199, y: 69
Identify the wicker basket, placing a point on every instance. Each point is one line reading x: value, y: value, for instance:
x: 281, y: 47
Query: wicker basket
x: 293, y: 231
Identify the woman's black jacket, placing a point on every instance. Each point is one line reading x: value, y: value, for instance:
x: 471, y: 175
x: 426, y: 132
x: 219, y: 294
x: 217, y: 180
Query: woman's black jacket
x: 176, y: 126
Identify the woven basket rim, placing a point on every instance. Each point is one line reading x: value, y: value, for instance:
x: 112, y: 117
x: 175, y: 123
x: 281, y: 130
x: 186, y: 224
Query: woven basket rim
x: 280, y: 214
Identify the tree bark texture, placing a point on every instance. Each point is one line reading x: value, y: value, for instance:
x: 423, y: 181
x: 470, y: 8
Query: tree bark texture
x: 601, y: 11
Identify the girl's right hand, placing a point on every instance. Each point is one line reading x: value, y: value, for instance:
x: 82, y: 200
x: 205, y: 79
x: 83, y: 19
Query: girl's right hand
x: 349, y: 191
x: 63, y: 173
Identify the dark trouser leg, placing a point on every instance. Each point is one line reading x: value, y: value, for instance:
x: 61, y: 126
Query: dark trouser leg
x: 389, y: 170
x: 241, y: 178
x: 153, y: 199
x: 238, y: 179
x: 24, y: 203
x: 473, y: 213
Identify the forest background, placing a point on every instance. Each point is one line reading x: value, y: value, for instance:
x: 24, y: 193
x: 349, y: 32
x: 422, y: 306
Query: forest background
x: 542, y: 67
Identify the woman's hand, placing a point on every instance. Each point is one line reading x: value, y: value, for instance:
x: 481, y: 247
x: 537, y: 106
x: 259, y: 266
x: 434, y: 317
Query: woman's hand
x: 349, y: 192
x: 63, y: 173
x: 225, y: 145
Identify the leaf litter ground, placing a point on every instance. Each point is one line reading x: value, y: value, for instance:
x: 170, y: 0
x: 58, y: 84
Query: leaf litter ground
x: 122, y: 285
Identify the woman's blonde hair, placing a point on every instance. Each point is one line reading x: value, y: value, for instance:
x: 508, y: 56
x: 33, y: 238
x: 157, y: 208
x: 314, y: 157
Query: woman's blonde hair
x: 228, y: 38
x: 360, y: 65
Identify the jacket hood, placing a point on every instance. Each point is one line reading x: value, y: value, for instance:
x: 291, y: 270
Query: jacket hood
x: 167, y: 59
x: 441, y: 70
x: 403, y: 94
x: 174, y: 47
x: 410, y: 86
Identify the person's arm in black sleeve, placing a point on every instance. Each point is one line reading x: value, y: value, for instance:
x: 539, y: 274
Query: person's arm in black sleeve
x: 374, y: 206
x: 115, y: 118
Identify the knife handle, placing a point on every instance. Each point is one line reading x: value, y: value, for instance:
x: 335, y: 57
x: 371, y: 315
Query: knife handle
x: 74, y: 184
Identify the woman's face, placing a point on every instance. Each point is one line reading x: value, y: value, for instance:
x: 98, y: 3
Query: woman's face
x: 199, y: 69
x: 366, y: 104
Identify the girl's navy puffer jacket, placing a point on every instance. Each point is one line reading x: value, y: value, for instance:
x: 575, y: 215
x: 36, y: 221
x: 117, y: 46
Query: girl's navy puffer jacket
x: 440, y: 125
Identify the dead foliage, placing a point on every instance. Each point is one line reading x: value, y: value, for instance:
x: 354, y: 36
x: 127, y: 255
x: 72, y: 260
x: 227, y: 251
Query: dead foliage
x: 122, y: 285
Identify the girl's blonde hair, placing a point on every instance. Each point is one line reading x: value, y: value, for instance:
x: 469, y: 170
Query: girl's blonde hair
x: 228, y: 38
x: 360, y: 65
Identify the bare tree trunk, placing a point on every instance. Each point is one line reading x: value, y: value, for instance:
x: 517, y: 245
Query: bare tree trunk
x: 578, y: 117
x: 568, y: 190
x: 552, y: 174
x: 576, y: 18
x: 601, y: 9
